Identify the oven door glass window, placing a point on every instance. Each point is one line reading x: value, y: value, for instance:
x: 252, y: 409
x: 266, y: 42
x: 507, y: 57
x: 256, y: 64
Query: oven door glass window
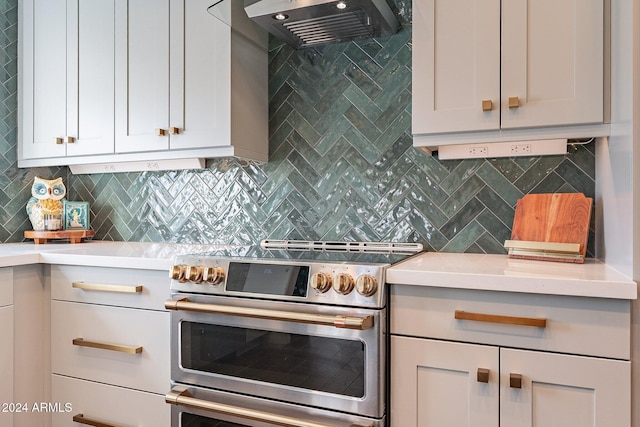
x: 330, y: 365
x: 190, y: 420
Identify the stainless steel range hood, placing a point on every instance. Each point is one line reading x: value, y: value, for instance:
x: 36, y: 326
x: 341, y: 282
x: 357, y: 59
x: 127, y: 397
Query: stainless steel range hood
x: 305, y: 23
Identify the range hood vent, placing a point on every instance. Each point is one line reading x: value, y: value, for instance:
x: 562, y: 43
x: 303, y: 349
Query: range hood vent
x: 307, y: 23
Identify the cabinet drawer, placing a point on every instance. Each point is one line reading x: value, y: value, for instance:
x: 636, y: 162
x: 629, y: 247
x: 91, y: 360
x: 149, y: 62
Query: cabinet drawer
x: 6, y: 286
x: 143, y: 330
x: 107, y: 404
x: 575, y: 325
x: 111, y: 286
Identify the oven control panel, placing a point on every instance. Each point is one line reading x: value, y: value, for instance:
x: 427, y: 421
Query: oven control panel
x: 339, y: 283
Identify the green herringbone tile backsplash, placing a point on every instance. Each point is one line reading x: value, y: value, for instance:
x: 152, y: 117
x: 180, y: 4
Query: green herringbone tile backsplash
x: 342, y: 166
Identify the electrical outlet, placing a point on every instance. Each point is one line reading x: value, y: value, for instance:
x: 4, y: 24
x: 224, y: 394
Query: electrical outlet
x: 520, y: 149
x: 478, y: 151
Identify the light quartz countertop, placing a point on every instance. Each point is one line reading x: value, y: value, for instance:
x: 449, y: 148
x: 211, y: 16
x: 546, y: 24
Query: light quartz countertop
x: 463, y: 271
x: 501, y: 273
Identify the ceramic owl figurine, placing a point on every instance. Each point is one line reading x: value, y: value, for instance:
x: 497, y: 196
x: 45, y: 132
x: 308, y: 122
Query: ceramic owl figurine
x: 47, y: 198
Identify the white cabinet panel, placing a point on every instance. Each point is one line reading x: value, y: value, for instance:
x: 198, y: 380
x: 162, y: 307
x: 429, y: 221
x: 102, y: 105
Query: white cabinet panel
x: 552, y: 56
x: 435, y: 383
x: 6, y: 366
x: 456, y: 65
x: 110, y: 286
x: 147, y: 370
x: 564, y: 390
x: 107, y: 404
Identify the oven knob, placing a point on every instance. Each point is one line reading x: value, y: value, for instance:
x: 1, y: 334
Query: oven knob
x: 366, y: 285
x: 178, y: 272
x: 194, y: 273
x: 321, y: 282
x: 344, y: 284
x: 213, y: 275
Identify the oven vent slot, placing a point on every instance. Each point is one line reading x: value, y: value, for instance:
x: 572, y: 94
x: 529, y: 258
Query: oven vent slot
x: 361, y: 247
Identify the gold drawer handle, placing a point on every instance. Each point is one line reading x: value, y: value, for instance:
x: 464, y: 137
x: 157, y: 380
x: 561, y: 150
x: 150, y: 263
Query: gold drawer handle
x: 58, y: 140
x: 483, y: 375
x: 174, y: 131
x: 70, y: 140
x: 107, y: 288
x: 487, y: 105
x: 80, y: 419
x: 515, y: 380
x: 514, y: 102
x: 505, y: 320
x: 81, y: 342
x: 161, y: 132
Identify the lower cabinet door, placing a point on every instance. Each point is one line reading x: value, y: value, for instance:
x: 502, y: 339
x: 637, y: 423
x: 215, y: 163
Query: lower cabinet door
x: 9, y: 407
x: 554, y: 390
x: 94, y: 403
x: 438, y: 383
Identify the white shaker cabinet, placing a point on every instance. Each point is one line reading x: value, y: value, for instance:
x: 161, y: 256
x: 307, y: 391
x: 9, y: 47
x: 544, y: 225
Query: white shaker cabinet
x: 483, y: 358
x: 66, y: 78
x: 494, y: 69
x: 6, y: 351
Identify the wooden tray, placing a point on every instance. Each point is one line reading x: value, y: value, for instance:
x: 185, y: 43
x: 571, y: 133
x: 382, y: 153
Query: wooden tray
x: 553, y: 218
x: 74, y: 236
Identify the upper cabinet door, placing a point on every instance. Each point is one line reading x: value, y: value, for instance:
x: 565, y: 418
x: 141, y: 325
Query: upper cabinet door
x: 200, y: 87
x: 552, y: 62
x: 91, y: 84
x: 456, y: 65
x: 44, y: 78
x: 142, y: 75
x: 67, y: 78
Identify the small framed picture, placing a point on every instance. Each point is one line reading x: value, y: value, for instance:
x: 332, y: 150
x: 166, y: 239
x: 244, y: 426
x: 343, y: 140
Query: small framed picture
x: 76, y: 215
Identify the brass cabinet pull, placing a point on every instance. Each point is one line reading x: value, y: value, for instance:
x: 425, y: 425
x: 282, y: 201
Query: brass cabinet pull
x: 346, y: 322
x: 514, y: 102
x: 174, y: 131
x: 161, y: 132
x: 505, y: 320
x: 107, y: 288
x: 81, y: 342
x: 515, y: 380
x: 69, y: 140
x: 487, y: 105
x: 58, y: 140
x: 181, y: 396
x: 80, y: 419
x: 483, y: 375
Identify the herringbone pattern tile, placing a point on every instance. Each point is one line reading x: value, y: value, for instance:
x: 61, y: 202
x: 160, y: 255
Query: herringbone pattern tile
x: 342, y: 167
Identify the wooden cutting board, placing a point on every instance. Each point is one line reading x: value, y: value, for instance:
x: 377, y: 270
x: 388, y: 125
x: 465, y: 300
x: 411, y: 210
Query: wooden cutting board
x: 557, y: 218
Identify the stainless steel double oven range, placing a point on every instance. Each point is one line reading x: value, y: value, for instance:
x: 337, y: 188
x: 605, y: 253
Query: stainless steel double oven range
x: 293, y: 333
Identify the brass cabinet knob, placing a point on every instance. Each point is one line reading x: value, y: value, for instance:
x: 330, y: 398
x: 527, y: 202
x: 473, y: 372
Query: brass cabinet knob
x: 161, y: 132
x: 514, y: 102
x: 58, y: 140
x: 483, y: 375
x: 515, y: 380
x: 487, y: 105
x: 69, y: 140
x: 174, y: 131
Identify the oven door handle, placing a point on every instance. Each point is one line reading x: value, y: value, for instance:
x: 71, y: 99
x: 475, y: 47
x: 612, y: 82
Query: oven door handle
x: 346, y: 322
x: 181, y: 396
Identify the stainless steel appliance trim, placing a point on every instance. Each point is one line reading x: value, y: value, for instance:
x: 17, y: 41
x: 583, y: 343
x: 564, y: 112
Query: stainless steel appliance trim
x: 346, y: 322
